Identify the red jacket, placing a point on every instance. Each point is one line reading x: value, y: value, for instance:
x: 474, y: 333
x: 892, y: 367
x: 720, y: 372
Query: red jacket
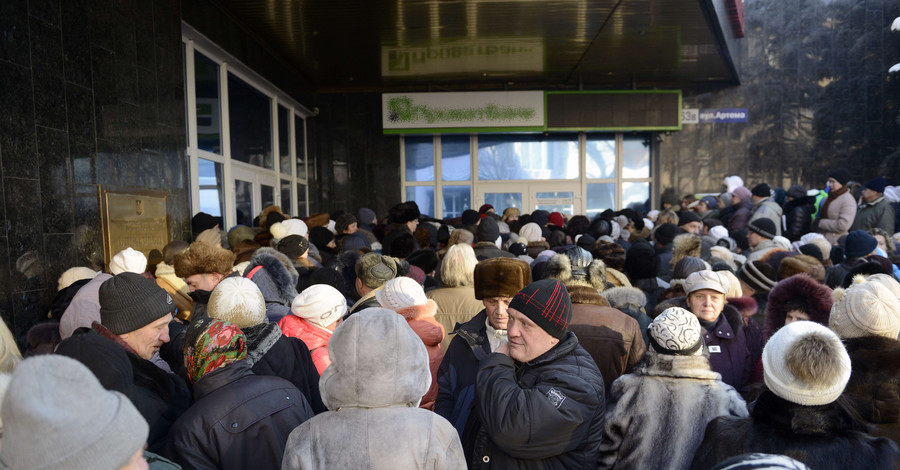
x: 421, y: 320
x: 316, y: 339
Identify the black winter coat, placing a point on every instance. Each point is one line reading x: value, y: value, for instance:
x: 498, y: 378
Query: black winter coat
x: 798, y: 217
x: 456, y: 375
x: 874, y: 386
x: 544, y: 414
x: 823, y: 437
x: 239, y: 420
x: 272, y: 353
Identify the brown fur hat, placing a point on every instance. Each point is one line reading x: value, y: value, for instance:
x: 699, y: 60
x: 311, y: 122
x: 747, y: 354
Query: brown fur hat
x: 806, y: 264
x: 501, y: 277
x: 264, y: 215
x: 201, y: 258
x: 318, y: 220
x: 686, y: 244
x: 589, y: 272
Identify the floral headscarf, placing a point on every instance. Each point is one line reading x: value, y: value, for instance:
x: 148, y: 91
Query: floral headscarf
x: 211, y: 344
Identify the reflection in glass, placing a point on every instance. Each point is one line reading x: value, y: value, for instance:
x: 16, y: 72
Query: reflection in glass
x: 563, y: 202
x: 501, y: 201
x: 299, y: 124
x: 284, y: 141
x: 456, y: 164
x: 243, y: 204
x: 601, y: 156
x: 206, y: 86
x: 424, y: 197
x: 286, y: 197
x: 212, y: 187
x: 250, y: 116
x: 636, y: 157
x: 636, y: 196
x: 267, y: 194
x: 527, y: 157
x: 456, y: 200
x: 302, y: 209
x: 600, y: 196
x: 419, y: 158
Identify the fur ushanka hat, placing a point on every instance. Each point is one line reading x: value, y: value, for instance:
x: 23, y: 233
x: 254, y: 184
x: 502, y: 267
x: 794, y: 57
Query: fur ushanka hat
x: 501, y: 277
x: 201, y: 258
x: 404, y: 212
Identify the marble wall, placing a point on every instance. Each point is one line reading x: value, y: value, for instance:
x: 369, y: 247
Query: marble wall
x: 91, y: 94
x: 815, y: 81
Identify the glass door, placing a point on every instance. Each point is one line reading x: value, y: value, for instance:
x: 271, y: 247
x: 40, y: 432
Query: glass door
x: 552, y: 197
x: 252, y: 193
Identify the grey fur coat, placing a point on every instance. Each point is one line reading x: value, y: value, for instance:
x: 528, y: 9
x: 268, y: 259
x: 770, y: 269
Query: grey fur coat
x: 378, y: 375
x: 656, y: 415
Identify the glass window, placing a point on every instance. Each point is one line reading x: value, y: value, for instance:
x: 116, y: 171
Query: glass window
x: 424, y: 197
x: 456, y: 165
x: 601, y: 156
x: 301, y: 200
x: 636, y: 157
x: 301, y: 147
x: 243, y: 203
x: 563, y: 202
x: 419, y: 158
x: 284, y: 141
x: 527, y: 157
x: 267, y: 195
x: 250, y: 128
x: 212, y: 187
x: 636, y: 196
x: 209, y: 121
x: 456, y: 200
x: 600, y: 196
x: 286, y: 197
x: 501, y: 201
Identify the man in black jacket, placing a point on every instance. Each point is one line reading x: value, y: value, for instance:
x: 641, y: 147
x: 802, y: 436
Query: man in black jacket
x: 798, y: 211
x: 539, y: 399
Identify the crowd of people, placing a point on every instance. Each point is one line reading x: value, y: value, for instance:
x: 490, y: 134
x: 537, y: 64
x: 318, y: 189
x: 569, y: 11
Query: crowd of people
x: 751, y: 328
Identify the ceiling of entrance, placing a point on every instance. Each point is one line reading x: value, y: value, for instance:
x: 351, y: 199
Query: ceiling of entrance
x: 383, y: 45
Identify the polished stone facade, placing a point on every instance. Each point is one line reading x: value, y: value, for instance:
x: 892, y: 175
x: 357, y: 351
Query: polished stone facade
x: 91, y: 95
x: 815, y: 81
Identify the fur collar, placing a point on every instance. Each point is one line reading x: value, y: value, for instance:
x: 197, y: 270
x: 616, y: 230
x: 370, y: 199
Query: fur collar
x: 818, y: 297
x: 418, y: 312
x: 560, y: 267
x: 542, y: 244
x: 586, y: 295
x: 280, y: 269
x: 681, y: 367
x: 875, y: 355
x: 260, y: 339
x: 783, y: 415
x: 626, y: 297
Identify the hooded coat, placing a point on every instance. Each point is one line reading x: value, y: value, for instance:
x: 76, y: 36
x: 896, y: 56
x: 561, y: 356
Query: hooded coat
x: 316, y: 339
x: 239, y: 420
x: 798, y: 217
x: 374, y: 420
x: 654, y: 414
x: 276, y: 278
x: 767, y: 209
x: 543, y: 414
x: 818, y: 299
x: 823, y: 437
x: 421, y: 320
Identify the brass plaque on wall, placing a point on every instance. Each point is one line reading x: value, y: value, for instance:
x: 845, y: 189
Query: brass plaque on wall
x: 133, y: 218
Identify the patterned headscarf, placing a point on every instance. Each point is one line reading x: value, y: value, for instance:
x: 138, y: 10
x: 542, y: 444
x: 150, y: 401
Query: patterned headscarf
x: 210, y: 344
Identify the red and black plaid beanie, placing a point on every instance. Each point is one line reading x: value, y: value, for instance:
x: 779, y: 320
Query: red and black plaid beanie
x: 547, y: 304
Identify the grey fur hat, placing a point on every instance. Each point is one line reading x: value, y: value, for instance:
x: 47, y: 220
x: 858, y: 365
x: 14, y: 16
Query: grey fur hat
x: 576, y: 266
x: 628, y: 298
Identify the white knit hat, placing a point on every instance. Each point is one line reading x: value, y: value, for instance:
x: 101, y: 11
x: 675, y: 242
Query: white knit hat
x: 782, y: 242
x: 320, y: 304
x: 885, y: 280
x: 707, y: 280
x: 73, y: 275
x: 287, y: 227
x: 676, y: 331
x: 806, y: 363
x: 56, y: 415
x: 401, y: 292
x: 718, y: 232
x: 128, y: 260
x: 866, y: 309
x: 531, y: 232
x: 239, y: 301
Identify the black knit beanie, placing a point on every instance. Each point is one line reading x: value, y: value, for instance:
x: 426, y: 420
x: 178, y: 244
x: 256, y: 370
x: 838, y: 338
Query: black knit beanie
x: 546, y: 303
x: 129, y: 301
